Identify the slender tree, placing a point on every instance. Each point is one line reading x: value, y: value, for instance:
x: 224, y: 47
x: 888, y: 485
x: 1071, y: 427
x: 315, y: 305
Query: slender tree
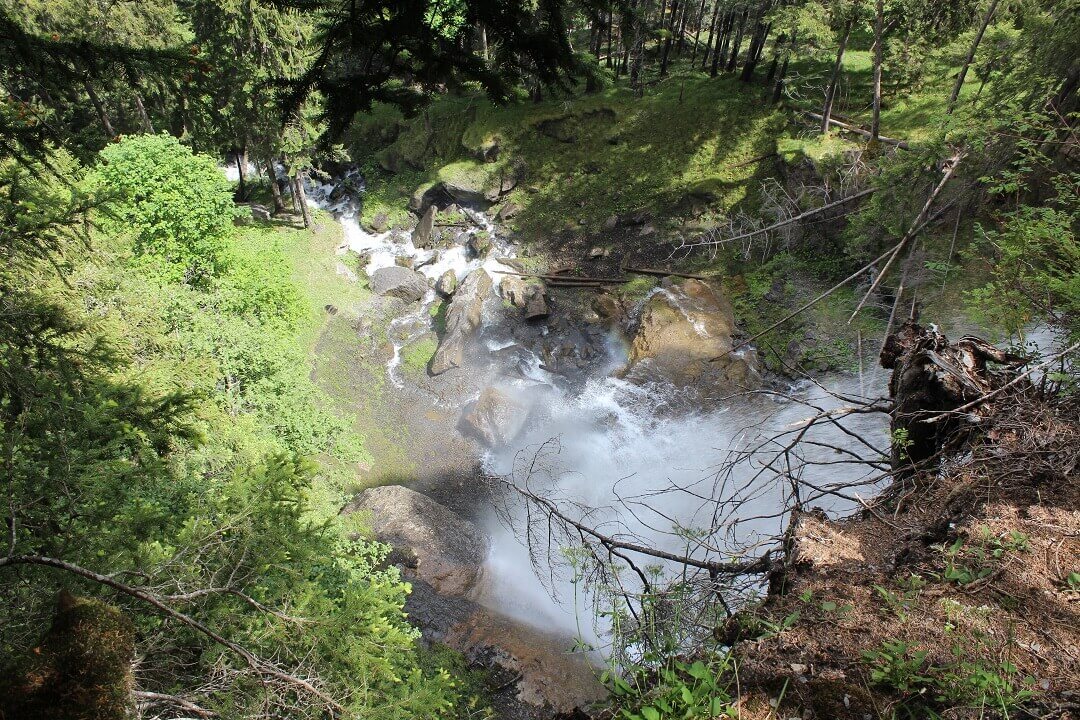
x: 955, y: 94
x: 697, y: 33
x: 879, y: 19
x: 834, y: 78
x: 712, y: 30
x: 737, y: 44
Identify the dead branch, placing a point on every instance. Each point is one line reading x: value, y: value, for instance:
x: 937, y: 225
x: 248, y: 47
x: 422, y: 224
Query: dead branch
x: 949, y: 168
x: 154, y: 698
x: 663, y: 273
x: 184, y: 597
x: 758, y: 565
x: 566, y: 278
x: 790, y: 220
x: 859, y: 131
x: 938, y: 417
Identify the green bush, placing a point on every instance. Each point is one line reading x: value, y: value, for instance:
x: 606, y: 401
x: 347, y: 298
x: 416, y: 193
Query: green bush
x: 175, y: 206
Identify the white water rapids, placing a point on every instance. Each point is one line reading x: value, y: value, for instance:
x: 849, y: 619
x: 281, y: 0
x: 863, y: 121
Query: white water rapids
x: 646, y: 462
x: 622, y: 448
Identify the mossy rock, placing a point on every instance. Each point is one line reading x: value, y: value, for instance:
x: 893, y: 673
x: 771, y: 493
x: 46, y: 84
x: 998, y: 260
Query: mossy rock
x: 81, y: 670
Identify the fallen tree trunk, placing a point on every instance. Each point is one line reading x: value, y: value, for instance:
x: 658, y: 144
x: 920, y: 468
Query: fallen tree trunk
x: 566, y: 278
x: 663, y: 273
x: 859, y: 131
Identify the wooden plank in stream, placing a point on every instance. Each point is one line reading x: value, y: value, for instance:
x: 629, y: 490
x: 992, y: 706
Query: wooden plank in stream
x: 566, y: 278
x: 662, y: 273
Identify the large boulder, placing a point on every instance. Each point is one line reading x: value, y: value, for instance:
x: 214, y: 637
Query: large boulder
x: 399, y: 282
x: 495, y: 418
x: 685, y: 335
x: 462, y: 318
x: 514, y: 290
x: 421, y: 235
x: 442, y: 548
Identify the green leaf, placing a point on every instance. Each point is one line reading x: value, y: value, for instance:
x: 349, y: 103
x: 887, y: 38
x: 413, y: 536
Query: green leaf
x: 650, y: 713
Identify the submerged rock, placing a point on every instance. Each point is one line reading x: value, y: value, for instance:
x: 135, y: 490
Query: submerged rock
x: 421, y: 236
x: 495, y: 418
x: 439, y: 546
x: 684, y: 335
x: 399, y: 282
x: 462, y: 318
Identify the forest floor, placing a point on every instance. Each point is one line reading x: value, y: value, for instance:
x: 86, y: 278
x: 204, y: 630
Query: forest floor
x: 955, y: 595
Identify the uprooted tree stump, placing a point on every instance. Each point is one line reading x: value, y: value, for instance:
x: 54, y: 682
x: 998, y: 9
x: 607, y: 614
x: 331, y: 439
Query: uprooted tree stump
x: 931, y: 379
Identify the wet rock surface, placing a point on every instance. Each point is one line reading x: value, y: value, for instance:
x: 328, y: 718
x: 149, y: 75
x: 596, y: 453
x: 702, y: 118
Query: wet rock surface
x: 534, y: 674
x: 462, y: 318
x: 421, y: 235
x: 685, y: 335
x: 435, y: 544
x: 400, y: 282
x: 447, y: 284
x: 495, y: 418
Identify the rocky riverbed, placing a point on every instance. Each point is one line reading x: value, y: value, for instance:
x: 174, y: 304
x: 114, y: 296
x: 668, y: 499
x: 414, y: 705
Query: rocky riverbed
x: 481, y: 361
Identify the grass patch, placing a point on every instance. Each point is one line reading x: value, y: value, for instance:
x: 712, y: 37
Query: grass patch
x: 416, y: 357
x: 591, y: 157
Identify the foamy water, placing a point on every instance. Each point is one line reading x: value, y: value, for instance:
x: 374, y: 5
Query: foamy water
x: 648, y: 471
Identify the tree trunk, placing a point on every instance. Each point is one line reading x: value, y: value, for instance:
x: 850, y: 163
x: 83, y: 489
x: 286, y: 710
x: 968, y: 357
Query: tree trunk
x: 102, y: 115
x: 240, y: 190
x: 670, y: 37
x: 275, y: 189
x: 830, y: 93
x: 955, y: 95
x: 721, y: 41
x: 778, y: 89
x: 301, y: 198
x: 734, y: 59
x: 697, y: 34
x: 681, y: 35
x: 753, y: 56
x: 610, y: 31
x: 712, y: 30
x: 147, y: 125
x: 879, y: 17
x: 481, y: 33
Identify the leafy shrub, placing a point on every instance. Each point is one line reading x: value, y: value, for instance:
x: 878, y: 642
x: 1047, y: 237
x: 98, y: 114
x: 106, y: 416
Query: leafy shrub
x: 175, y: 205
x: 677, y: 690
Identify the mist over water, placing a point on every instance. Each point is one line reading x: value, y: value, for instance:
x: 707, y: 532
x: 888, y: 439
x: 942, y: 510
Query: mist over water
x: 621, y: 449
x: 645, y: 458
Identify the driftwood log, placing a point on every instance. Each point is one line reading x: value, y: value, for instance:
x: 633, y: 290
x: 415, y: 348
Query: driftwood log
x: 936, y: 387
